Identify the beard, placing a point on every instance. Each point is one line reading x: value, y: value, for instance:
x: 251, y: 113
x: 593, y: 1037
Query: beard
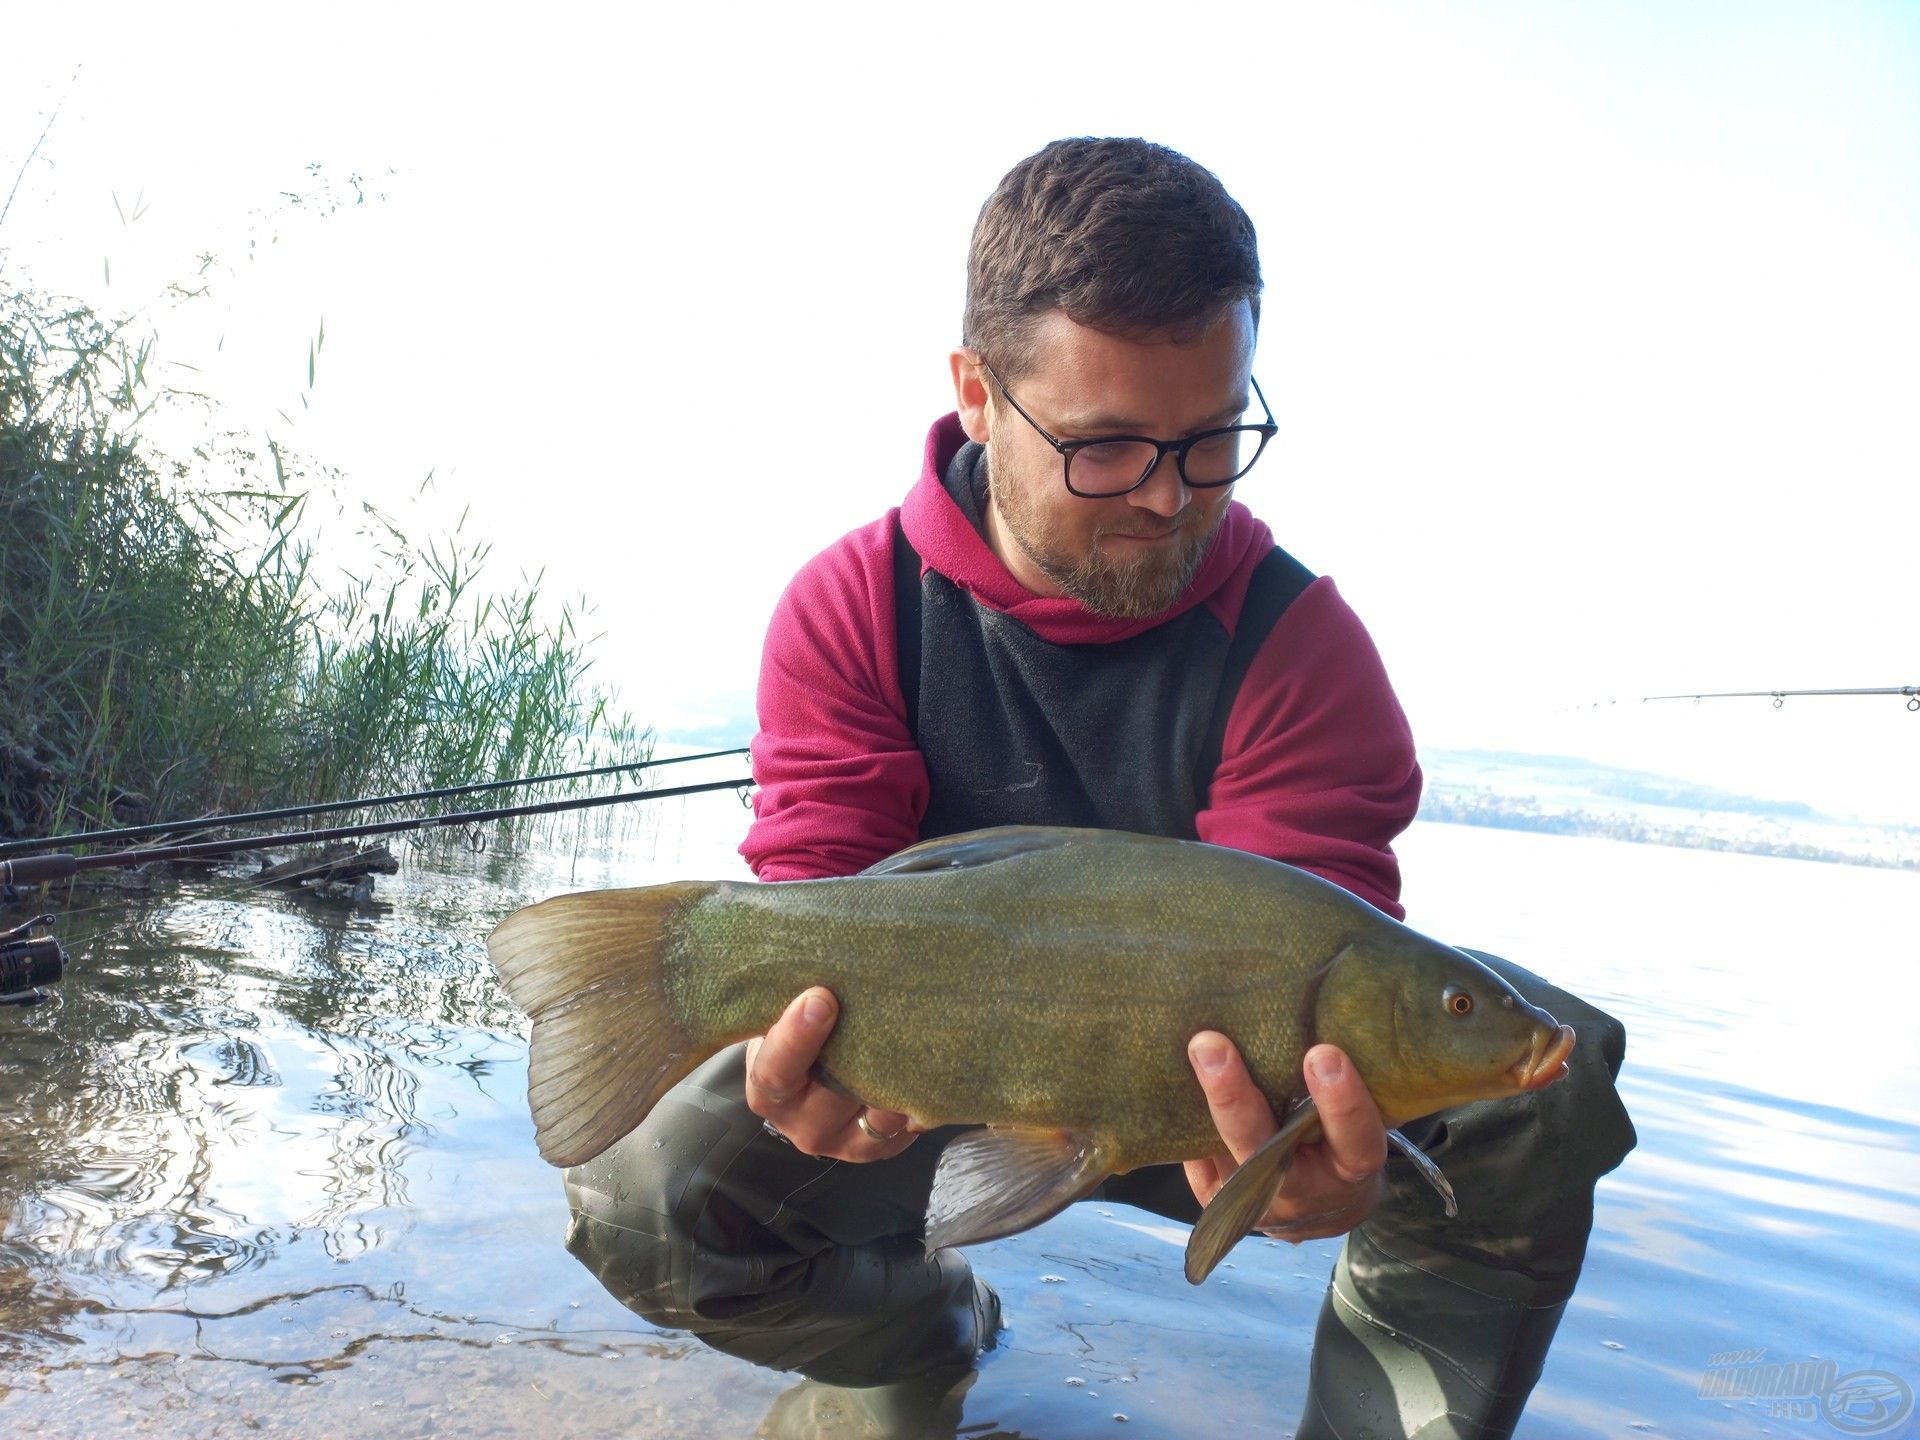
x: 1129, y: 586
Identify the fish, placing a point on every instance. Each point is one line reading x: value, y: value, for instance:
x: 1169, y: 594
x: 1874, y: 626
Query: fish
x: 1038, y: 982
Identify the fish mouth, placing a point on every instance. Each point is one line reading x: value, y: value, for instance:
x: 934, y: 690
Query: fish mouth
x: 1545, y: 1060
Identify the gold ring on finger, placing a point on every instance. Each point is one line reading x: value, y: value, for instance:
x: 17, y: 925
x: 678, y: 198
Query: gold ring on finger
x: 866, y: 1128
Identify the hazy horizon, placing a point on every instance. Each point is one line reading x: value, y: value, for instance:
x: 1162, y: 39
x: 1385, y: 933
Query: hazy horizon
x: 1588, y: 331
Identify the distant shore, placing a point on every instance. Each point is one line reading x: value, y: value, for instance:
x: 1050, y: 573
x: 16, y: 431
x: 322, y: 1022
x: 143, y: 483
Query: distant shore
x: 1894, y: 849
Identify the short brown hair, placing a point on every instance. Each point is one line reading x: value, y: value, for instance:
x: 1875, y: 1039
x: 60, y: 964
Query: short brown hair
x: 1122, y: 235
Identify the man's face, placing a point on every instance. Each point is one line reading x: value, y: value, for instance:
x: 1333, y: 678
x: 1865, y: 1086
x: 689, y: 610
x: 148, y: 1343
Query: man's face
x: 1130, y: 555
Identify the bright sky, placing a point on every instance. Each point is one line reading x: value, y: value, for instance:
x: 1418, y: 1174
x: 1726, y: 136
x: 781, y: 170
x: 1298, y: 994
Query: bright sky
x: 1591, y: 328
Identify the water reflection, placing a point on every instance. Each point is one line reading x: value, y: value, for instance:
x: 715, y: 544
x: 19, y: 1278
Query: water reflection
x: 258, y: 1144
x: 219, y: 1059
x: 265, y: 1167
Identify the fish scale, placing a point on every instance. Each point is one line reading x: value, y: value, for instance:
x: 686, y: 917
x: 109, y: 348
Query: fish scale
x: 979, y: 963
x: 1041, y: 982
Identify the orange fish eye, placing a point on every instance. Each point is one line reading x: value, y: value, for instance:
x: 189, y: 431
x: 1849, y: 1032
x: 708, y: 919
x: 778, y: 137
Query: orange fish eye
x: 1459, y: 1001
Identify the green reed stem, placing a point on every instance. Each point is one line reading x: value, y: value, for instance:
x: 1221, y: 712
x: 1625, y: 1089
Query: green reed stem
x: 166, y: 646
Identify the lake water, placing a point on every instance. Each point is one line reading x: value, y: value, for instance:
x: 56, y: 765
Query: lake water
x: 266, y: 1169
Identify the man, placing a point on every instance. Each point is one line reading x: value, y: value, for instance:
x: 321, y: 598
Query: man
x: 1071, y: 622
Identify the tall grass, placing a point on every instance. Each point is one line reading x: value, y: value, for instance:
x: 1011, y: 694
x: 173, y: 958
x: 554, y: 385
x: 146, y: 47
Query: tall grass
x: 166, y: 645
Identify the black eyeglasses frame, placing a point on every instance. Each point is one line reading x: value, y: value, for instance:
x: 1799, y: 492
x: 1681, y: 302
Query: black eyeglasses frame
x: 1179, y: 448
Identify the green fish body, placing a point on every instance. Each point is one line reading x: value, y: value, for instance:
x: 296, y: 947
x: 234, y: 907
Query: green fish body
x: 1041, y: 982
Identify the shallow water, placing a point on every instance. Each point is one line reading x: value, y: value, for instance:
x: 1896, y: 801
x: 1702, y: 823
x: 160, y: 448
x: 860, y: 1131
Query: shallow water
x: 266, y: 1168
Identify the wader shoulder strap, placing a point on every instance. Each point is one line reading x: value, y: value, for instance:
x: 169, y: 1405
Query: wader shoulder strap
x: 906, y: 622
x: 1277, y: 582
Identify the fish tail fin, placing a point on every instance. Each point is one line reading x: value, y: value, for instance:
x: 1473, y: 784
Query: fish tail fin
x: 588, y: 970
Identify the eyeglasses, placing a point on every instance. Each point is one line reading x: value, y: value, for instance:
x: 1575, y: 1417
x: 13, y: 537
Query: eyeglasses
x: 1107, y: 465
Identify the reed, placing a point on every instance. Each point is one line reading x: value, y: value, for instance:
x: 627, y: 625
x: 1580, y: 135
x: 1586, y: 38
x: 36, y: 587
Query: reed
x: 168, y: 647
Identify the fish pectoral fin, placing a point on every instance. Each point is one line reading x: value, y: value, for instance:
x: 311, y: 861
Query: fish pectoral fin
x: 996, y: 1182
x: 975, y: 847
x: 1431, y: 1172
x: 1237, y: 1206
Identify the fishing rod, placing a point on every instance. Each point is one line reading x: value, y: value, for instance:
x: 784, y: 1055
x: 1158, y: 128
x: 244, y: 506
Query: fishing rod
x: 289, y: 812
x: 1779, y: 697
x: 40, y: 869
x: 29, y: 961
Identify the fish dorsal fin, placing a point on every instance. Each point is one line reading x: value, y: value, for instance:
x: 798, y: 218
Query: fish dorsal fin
x: 1237, y: 1206
x: 977, y: 847
x: 998, y: 1182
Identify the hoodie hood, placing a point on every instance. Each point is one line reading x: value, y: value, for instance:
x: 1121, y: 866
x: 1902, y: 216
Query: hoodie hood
x: 948, y: 543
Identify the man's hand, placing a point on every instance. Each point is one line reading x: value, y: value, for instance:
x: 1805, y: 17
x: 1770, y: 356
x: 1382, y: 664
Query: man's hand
x: 1331, y: 1185
x: 781, y: 1089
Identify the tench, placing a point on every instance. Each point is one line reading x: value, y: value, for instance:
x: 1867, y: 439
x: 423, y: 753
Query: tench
x: 1040, y: 982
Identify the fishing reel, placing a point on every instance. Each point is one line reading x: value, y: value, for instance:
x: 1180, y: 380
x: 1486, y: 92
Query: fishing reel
x: 28, y: 961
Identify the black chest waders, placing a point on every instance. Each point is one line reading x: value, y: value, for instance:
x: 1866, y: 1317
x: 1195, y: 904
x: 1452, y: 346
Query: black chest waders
x: 703, y: 1221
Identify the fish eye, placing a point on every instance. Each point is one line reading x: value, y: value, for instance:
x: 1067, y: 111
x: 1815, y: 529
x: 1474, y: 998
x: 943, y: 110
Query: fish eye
x: 1459, y: 1001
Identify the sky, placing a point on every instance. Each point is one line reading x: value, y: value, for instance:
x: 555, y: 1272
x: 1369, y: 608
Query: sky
x: 1592, y: 330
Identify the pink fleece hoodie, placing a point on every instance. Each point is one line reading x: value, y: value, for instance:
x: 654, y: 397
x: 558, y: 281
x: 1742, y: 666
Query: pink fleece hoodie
x: 1317, y: 768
